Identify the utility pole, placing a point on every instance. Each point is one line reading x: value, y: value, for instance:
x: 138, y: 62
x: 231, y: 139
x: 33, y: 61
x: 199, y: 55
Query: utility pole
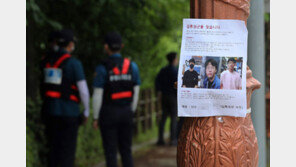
x: 200, y: 141
x: 256, y: 61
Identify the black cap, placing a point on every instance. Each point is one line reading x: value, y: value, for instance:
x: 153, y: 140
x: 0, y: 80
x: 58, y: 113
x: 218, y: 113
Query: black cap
x: 113, y: 40
x: 67, y: 35
x: 192, y: 60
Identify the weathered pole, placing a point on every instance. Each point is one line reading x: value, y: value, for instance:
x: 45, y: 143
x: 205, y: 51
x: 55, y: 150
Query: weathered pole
x: 220, y: 141
x: 256, y: 61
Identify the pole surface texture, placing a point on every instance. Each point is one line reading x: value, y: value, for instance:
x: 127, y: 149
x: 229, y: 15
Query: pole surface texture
x: 220, y: 141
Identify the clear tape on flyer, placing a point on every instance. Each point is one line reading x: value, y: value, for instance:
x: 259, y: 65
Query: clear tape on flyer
x: 248, y: 110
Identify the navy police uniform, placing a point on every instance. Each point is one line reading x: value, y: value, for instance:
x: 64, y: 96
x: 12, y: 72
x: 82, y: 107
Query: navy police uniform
x: 61, y: 106
x: 117, y: 76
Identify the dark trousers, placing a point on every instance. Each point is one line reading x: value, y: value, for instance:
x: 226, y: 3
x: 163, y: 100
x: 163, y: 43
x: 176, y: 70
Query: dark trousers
x: 169, y: 108
x: 116, y: 124
x: 61, y: 134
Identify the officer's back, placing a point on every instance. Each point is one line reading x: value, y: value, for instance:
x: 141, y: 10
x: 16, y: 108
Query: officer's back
x: 116, y: 89
x: 72, y: 71
x: 64, y: 86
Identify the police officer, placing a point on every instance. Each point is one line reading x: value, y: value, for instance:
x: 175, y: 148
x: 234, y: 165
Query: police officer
x: 164, y: 83
x: 64, y: 86
x: 115, y: 97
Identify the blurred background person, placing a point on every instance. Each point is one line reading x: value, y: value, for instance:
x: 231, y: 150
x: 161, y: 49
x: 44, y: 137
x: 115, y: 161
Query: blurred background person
x: 115, y: 97
x: 63, y: 87
x: 164, y: 84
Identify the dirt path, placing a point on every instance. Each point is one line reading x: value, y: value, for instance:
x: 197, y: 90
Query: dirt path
x: 149, y: 155
x: 164, y: 156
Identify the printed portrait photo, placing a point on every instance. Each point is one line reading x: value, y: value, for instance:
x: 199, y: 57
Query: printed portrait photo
x: 191, y: 72
x: 209, y: 72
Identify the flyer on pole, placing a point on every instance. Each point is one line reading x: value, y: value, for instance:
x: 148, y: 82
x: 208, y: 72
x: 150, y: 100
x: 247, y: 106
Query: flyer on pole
x: 212, y: 68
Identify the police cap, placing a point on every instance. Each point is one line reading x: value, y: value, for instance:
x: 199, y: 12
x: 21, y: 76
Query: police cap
x: 113, y: 40
x: 67, y: 35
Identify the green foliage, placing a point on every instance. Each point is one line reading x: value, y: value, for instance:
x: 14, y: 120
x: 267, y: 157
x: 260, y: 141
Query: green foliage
x: 89, y: 145
x: 150, y: 133
x: 32, y: 157
x: 35, y: 139
x: 267, y: 17
x: 150, y: 30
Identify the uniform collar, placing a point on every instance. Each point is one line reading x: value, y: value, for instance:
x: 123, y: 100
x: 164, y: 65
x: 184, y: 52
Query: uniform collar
x: 116, y: 55
x: 63, y: 51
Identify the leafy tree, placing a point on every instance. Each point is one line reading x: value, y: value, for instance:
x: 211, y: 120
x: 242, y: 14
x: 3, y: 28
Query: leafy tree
x: 150, y: 29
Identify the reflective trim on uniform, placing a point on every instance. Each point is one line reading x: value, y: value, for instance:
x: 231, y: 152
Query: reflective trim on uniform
x: 74, y: 87
x: 116, y: 71
x: 57, y: 94
x: 53, y: 94
x: 59, y: 61
x: 125, y: 77
x: 125, y: 67
x: 74, y: 98
x: 121, y: 95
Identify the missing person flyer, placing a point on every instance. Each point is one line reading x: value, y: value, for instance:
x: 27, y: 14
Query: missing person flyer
x: 212, y: 68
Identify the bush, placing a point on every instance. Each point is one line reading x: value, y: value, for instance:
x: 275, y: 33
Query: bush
x: 35, y: 139
x: 89, y: 145
x: 89, y: 149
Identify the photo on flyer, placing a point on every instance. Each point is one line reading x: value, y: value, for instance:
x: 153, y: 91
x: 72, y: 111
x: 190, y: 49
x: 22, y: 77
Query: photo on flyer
x: 210, y: 72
